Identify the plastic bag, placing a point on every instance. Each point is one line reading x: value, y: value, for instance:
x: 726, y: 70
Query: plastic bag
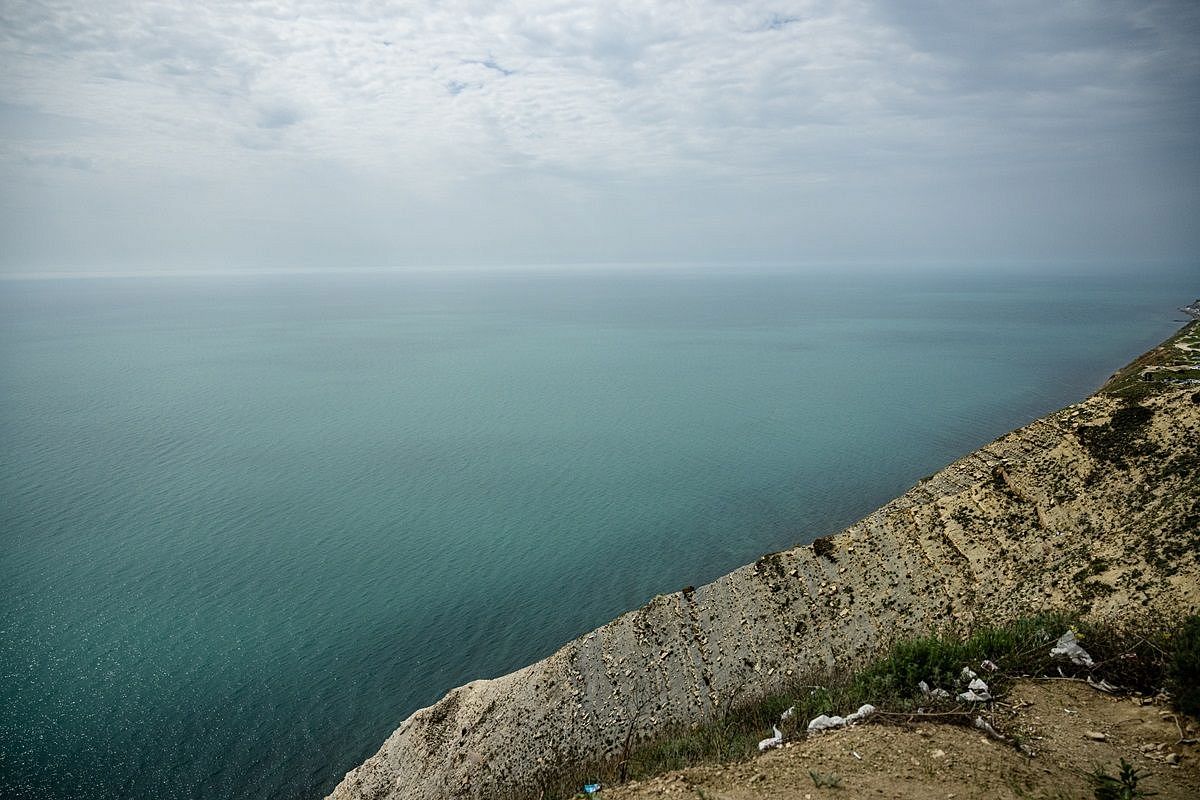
x: 1068, y: 647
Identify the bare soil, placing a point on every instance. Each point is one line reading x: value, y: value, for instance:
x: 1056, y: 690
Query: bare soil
x: 1070, y: 728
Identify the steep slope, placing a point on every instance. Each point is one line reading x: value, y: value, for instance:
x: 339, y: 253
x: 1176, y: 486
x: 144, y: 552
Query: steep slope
x: 1096, y: 506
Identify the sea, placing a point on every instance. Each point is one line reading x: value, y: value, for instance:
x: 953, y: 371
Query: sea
x: 249, y: 522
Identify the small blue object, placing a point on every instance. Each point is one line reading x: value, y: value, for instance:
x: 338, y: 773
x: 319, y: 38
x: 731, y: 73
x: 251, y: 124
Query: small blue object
x: 592, y: 788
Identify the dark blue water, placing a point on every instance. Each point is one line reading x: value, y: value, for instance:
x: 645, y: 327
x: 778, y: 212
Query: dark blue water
x: 248, y: 524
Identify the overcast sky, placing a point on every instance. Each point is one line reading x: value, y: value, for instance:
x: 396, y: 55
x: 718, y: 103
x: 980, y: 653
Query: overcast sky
x: 179, y: 134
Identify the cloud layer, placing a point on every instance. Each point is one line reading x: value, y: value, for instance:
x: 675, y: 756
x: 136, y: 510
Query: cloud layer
x: 375, y: 133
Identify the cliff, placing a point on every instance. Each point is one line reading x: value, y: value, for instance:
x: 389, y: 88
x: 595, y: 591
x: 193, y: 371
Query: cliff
x: 1094, y: 507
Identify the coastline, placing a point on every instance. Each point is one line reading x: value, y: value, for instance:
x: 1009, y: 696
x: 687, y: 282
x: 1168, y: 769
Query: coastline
x: 968, y: 544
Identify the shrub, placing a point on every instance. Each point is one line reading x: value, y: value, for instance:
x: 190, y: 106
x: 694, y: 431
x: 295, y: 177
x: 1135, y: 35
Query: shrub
x: 1183, y: 672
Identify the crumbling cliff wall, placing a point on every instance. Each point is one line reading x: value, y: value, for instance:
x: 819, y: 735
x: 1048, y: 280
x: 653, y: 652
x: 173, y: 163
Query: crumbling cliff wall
x: 1096, y: 506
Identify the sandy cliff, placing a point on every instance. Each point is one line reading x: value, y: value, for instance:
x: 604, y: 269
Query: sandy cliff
x: 1095, y: 506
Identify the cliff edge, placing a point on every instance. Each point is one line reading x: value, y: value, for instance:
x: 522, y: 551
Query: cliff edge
x: 1094, y: 507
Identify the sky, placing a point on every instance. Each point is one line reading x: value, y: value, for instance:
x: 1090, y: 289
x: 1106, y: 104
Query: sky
x: 251, y: 134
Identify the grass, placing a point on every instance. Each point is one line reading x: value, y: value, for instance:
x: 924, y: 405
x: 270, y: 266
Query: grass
x: 1128, y: 382
x: 1146, y: 659
x: 1122, y: 786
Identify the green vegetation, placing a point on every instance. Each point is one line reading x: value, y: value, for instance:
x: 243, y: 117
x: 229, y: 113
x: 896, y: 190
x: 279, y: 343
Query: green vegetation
x: 1164, y: 366
x: 1123, y: 436
x: 1146, y: 659
x: 823, y: 781
x: 1021, y: 647
x: 1184, y: 667
x: 824, y: 547
x: 1124, y: 786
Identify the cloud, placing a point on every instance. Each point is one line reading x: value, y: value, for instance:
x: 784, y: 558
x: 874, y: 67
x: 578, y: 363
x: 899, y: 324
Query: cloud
x: 59, y: 160
x: 490, y: 63
x: 278, y: 115
x: 797, y: 121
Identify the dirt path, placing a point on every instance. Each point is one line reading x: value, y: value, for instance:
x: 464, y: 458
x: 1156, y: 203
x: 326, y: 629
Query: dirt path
x: 1061, y: 722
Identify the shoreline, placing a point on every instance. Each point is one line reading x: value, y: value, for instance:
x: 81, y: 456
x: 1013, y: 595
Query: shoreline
x: 929, y: 559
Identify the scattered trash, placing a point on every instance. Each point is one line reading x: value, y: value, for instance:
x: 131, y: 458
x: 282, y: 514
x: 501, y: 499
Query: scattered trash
x: 1068, y: 646
x: 856, y: 755
x: 987, y: 728
x: 774, y: 741
x: 967, y: 674
x: 977, y: 692
x: 824, y: 722
x: 1101, y: 684
x: 989, y: 665
x: 591, y: 788
x: 785, y: 716
x: 933, y: 694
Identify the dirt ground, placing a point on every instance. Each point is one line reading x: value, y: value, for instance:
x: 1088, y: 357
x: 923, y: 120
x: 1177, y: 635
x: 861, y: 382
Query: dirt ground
x: 1070, y: 728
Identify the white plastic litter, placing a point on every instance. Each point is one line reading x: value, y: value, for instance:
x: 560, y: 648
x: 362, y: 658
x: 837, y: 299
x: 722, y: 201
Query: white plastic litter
x: 864, y: 711
x: 1102, y: 685
x: 967, y: 674
x: 933, y: 694
x: 825, y: 722
x: 977, y: 692
x: 989, y: 665
x: 1068, y: 646
x: 986, y: 727
x: 774, y: 741
x: 785, y: 716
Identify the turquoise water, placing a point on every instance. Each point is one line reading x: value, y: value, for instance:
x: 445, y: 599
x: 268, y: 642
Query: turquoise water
x: 248, y: 524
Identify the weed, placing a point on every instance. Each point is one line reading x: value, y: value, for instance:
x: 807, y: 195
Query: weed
x: 1183, y: 671
x: 1122, y: 787
x: 824, y: 548
x: 823, y: 781
x: 770, y: 563
x: 1093, y: 568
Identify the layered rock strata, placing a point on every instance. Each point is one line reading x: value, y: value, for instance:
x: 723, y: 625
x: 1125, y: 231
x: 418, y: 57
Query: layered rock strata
x: 1095, y: 507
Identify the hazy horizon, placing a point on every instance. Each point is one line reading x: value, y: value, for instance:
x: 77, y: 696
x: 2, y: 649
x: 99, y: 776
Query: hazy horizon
x: 318, y: 135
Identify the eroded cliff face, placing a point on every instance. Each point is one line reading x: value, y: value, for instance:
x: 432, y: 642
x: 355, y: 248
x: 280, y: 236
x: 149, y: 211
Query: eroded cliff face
x: 1096, y: 506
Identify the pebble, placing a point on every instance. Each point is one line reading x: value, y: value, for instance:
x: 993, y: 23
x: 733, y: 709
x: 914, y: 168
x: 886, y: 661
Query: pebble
x: 1096, y: 736
x: 1173, y: 758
